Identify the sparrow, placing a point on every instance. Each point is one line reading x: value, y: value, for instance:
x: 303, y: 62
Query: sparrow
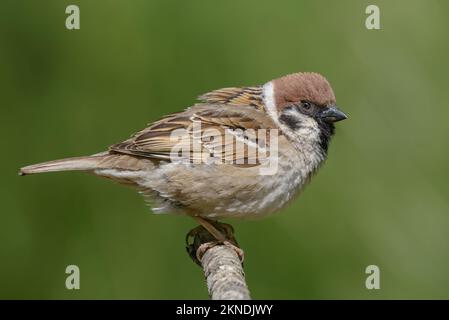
x: 185, y: 162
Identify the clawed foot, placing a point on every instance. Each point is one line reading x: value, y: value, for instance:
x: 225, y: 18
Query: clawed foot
x: 208, y: 235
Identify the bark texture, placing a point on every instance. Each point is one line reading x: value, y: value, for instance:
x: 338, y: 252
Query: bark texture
x: 222, y: 265
x: 224, y: 274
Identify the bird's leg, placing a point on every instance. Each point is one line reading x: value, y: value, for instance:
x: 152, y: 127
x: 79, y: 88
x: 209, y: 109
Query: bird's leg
x: 209, y: 226
x: 216, y: 233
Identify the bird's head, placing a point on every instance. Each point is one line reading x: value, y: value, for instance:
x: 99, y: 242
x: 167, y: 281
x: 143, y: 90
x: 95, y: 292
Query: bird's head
x: 304, y: 106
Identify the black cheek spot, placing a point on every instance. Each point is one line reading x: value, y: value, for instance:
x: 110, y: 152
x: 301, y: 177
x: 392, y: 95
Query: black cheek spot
x: 290, y: 120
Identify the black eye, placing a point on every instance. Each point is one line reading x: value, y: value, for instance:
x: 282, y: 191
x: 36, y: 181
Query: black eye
x: 306, y: 105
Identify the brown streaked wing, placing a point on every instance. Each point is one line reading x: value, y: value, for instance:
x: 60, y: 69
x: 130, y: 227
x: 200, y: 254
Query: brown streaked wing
x: 215, y: 123
x: 246, y: 96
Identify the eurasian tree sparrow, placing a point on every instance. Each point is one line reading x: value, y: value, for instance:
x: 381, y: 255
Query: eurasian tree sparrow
x: 299, y: 107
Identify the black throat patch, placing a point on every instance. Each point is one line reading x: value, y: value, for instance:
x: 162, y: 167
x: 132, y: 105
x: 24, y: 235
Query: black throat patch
x: 327, y: 130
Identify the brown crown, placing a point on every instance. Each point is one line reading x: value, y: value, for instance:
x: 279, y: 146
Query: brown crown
x: 306, y: 86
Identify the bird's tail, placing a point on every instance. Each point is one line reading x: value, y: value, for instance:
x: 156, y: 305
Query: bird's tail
x: 68, y: 164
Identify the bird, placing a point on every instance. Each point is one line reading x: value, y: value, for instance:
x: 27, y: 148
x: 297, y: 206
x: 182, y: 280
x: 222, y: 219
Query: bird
x: 207, y: 161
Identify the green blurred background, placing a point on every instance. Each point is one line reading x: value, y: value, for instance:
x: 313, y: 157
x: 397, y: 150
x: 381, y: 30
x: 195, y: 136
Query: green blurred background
x: 382, y: 198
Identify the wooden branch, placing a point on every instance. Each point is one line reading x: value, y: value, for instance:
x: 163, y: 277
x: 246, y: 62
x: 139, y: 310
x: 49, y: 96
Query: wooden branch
x: 221, y: 263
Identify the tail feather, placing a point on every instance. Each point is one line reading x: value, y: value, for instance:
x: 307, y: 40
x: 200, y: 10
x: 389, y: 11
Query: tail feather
x: 68, y: 164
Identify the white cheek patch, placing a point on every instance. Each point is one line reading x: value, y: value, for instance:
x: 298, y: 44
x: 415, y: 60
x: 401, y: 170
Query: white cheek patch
x: 295, y: 114
x: 308, y: 128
